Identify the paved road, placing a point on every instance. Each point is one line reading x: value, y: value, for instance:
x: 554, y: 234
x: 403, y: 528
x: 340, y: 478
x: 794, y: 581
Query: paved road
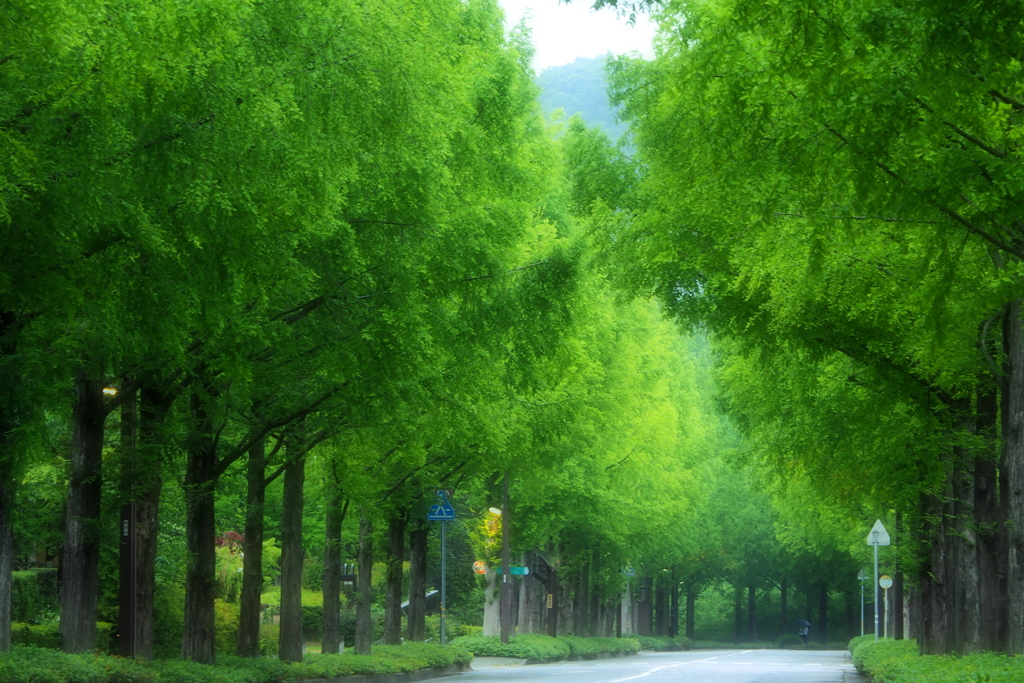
x: 710, y: 666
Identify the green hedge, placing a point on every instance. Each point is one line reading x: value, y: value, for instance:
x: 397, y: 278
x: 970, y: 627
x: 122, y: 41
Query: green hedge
x: 898, y: 661
x: 537, y: 647
x: 34, y: 596
x: 42, y: 665
x: 665, y: 643
x: 48, y: 635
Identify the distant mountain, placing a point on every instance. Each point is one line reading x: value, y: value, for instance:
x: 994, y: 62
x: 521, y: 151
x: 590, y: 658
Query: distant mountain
x: 580, y: 88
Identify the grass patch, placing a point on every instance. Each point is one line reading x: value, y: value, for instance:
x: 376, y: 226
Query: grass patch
x: 898, y: 661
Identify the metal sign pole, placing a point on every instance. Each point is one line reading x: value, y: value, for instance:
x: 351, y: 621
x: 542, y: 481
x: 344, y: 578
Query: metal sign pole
x: 444, y: 573
x: 875, y: 533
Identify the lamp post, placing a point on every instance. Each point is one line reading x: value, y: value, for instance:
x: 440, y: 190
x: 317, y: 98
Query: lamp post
x: 876, y: 537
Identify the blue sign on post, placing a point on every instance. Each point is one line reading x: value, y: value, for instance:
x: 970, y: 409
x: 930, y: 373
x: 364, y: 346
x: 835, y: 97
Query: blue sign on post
x: 441, y: 510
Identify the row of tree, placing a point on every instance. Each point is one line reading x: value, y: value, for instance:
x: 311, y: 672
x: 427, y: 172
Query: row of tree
x: 323, y: 238
x: 833, y: 189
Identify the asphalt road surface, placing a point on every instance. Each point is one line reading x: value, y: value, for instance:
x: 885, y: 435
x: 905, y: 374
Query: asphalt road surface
x: 710, y: 666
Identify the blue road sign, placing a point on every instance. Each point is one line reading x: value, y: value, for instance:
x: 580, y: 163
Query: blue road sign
x: 441, y: 510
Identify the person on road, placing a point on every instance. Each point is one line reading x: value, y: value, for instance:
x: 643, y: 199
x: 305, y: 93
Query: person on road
x: 804, y: 629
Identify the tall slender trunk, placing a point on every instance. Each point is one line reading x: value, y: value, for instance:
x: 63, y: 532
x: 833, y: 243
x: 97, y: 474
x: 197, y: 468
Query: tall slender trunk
x: 6, y: 550
x: 80, y: 585
x: 898, y: 587
x: 1013, y: 477
x: 393, y: 579
x: 8, y: 420
x: 644, y: 621
x: 336, y: 509
x: 783, y: 607
x: 991, y: 588
x: 197, y: 642
x: 660, y: 607
x: 752, y: 612
x: 673, y: 623
x: 292, y: 556
x: 965, y: 624
x: 506, y: 540
x: 936, y: 601
x: 691, y: 603
x: 738, y: 612
x: 823, y: 613
x: 594, y: 625
x: 416, y: 625
x: 364, y: 630
x: 249, y: 598
x: 581, y: 603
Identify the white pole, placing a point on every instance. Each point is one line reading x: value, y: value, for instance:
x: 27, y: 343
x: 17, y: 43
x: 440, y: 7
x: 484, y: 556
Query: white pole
x: 874, y: 535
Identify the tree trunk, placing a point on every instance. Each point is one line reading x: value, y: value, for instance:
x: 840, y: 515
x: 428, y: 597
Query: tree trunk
x: 823, y: 614
x: 581, y: 603
x: 644, y: 621
x: 933, y: 637
x: 331, y: 643
x: 197, y: 643
x: 8, y: 458
x: 991, y: 587
x: 738, y: 613
x: 551, y: 602
x: 393, y: 579
x: 292, y: 556
x: 6, y: 551
x: 416, y: 625
x: 783, y: 607
x: 506, y: 541
x: 691, y: 603
x: 492, y: 604
x: 898, y: 584
x: 660, y: 607
x: 80, y: 585
x: 752, y: 612
x: 594, y: 624
x: 965, y: 624
x: 364, y: 628
x: 673, y: 623
x: 1013, y: 476
x: 248, y: 644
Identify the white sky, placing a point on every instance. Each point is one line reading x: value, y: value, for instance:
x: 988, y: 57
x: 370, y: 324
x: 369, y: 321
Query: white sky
x: 561, y: 32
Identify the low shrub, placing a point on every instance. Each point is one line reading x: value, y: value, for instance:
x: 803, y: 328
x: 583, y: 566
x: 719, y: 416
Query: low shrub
x: 532, y: 646
x: 592, y: 647
x: 270, y: 639
x: 226, y: 616
x: 48, y: 635
x: 168, y: 619
x: 34, y: 596
x: 664, y: 643
x: 898, y: 661
x: 538, y: 647
x: 41, y: 665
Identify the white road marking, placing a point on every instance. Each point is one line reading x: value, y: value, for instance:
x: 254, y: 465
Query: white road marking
x: 672, y: 666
